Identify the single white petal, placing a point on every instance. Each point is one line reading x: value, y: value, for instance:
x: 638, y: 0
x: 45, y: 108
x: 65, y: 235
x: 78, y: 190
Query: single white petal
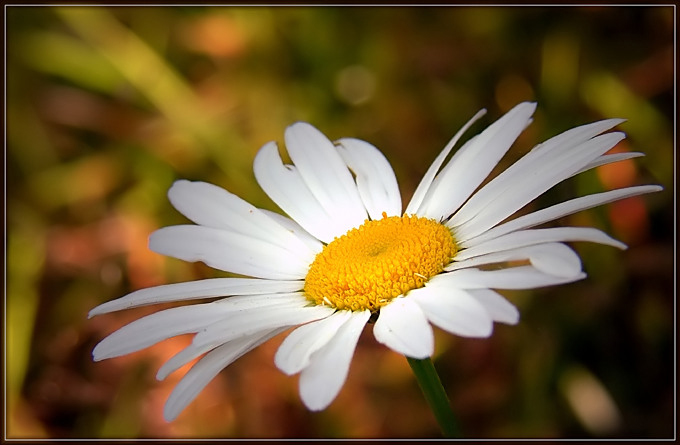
x: 296, y: 229
x: 284, y: 185
x: 375, y: 178
x: 608, y: 159
x: 322, y: 379
x: 425, y: 183
x: 208, y: 288
x: 473, y: 163
x: 403, y: 327
x: 522, y: 238
x: 453, y: 310
x: 211, y: 206
x: 245, y: 322
x: 558, y: 211
x: 255, y: 302
x: 500, y: 309
x: 325, y: 174
x: 551, y: 258
x: 156, y: 327
x: 228, y: 251
x: 520, y: 277
x: 207, y: 368
x: 556, y: 259
x: 512, y: 190
x: 182, y: 358
x: 294, y: 353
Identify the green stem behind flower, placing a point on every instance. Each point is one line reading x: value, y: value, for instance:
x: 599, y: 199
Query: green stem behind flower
x: 432, y: 388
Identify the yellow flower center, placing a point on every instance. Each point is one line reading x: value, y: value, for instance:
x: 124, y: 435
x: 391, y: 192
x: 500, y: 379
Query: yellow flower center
x: 378, y: 261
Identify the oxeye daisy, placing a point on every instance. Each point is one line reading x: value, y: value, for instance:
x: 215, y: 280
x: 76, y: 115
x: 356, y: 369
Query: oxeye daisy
x: 348, y: 254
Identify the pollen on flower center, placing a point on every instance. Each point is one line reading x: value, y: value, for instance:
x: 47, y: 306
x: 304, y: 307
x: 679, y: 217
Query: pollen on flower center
x: 378, y: 261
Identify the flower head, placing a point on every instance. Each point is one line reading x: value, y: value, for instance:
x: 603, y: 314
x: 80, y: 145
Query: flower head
x: 347, y: 253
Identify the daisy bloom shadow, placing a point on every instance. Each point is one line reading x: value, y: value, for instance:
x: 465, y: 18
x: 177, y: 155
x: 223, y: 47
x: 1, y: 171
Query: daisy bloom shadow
x: 346, y: 253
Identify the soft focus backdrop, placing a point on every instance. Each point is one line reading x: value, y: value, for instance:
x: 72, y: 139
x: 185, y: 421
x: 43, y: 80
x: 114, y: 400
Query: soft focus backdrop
x: 106, y: 107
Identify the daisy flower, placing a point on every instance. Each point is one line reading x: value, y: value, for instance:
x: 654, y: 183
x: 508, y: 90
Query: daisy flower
x: 347, y: 254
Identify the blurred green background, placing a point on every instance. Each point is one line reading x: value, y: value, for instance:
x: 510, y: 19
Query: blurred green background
x: 106, y: 107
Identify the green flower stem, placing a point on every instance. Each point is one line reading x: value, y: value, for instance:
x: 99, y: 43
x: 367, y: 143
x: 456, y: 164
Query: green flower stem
x: 432, y: 388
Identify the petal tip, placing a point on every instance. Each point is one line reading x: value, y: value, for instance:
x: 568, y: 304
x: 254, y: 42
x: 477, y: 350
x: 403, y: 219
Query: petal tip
x: 422, y: 356
x: 97, y: 355
x: 300, y: 127
x: 530, y: 107
x: 170, y: 413
x: 286, y: 366
x: 313, y: 405
x: 161, y: 375
x: 177, y: 188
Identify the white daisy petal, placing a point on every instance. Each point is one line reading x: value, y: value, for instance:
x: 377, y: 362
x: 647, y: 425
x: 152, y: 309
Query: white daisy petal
x: 375, y: 178
x: 425, y: 183
x: 207, y: 368
x: 327, y: 371
x: 226, y: 306
x: 572, y: 138
x: 608, y: 159
x: 551, y: 258
x: 500, y: 309
x: 522, y: 238
x: 211, y: 206
x: 512, y: 190
x: 453, y: 310
x: 182, y: 358
x: 325, y: 174
x: 228, y: 251
x: 554, y: 150
x: 520, y: 277
x: 284, y: 185
x: 248, y: 302
x: 555, y: 259
x: 156, y: 327
x: 242, y: 323
x: 167, y: 323
x: 296, y: 229
x: 294, y: 353
x: 209, y: 288
x: 560, y: 210
x: 403, y: 327
x: 473, y: 163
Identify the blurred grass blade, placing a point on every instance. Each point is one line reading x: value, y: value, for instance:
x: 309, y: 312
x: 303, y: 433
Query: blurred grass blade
x: 159, y: 83
x: 137, y: 62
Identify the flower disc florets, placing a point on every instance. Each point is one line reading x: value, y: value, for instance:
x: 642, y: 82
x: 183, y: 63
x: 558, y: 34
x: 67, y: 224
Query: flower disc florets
x: 378, y: 261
